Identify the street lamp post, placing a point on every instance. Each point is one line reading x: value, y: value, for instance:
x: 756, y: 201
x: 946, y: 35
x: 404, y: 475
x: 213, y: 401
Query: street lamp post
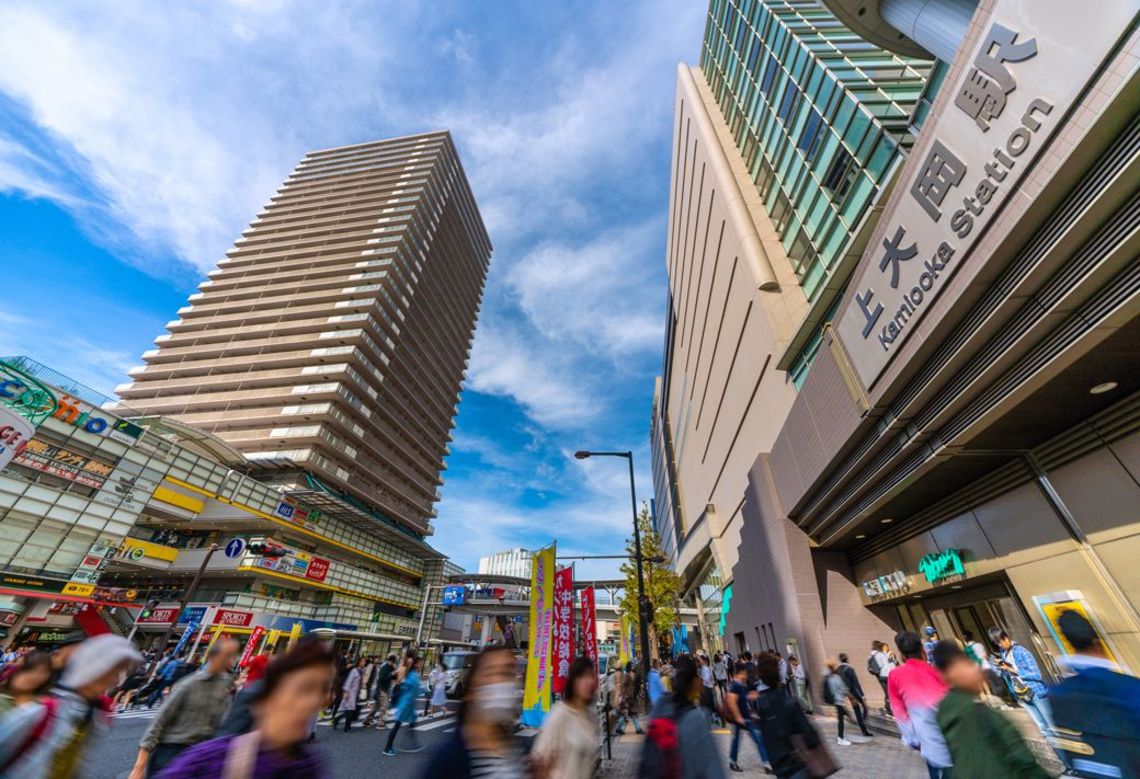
x: 642, y: 602
x: 186, y: 597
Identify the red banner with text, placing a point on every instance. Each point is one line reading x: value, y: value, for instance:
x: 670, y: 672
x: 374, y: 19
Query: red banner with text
x: 251, y: 646
x: 563, y: 627
x: 589, y: 626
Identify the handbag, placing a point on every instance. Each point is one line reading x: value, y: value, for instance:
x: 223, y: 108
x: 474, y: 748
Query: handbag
x: 817, y: 761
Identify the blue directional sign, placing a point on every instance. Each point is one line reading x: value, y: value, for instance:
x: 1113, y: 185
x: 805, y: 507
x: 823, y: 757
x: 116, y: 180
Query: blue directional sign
x: 235, y: 547
x: 454, y: 595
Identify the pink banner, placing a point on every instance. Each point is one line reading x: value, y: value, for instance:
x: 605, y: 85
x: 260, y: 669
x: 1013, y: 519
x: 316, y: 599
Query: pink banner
x: 563, y: 646
x: 589, y: 626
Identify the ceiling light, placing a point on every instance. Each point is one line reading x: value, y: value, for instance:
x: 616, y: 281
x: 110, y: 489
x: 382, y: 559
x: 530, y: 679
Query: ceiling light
x: 886, y: 520
x: 861, y: 535
x: 1106, y: 386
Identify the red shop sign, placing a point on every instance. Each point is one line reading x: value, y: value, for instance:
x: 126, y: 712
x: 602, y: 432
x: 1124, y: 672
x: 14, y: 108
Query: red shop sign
x: 233, y: 619
x: 318, y: 569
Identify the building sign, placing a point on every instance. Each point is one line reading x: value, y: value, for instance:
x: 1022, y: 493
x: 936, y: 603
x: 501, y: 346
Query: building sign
x: 289, y: 561
x: 145, y: 553
x: 126, y: 488
x: 233, y: 619
x: 66, y: 464
x: 32, y: 583
x: 69, y: 409
x: 297, y: 513
x: 1021, y: 79
x: 454, y: 595
x: 8, y: 618
x: 160, y: 616
x: 891, y: 584
x: 939, y: 566
x: 15, y: 433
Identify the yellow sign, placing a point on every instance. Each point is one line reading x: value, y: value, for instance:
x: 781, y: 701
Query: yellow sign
x: 536, y: 694
x: 79, y: 590
x: 1054, y: 605
x: 273, y: 637
x: 294, y: 634
x: 134, y: 550
x: 623, y: 644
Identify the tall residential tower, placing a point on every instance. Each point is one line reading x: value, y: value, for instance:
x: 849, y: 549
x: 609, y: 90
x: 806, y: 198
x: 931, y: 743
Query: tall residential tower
x: 329, y: 345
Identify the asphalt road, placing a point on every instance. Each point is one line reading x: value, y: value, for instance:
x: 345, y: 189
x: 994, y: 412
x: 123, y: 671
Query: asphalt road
x: 348, y: 755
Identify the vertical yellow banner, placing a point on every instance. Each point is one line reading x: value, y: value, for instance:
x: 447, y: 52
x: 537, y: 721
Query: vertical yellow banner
x: 536, y: 694
x: 294, y: 634
x: 623, y: 644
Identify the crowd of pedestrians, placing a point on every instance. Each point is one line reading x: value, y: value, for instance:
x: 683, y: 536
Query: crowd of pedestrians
x: 948, y: 699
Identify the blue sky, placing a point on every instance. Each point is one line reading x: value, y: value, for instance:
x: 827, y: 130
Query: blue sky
x: 136, y: 145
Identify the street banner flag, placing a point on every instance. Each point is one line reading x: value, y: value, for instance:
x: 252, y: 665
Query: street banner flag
x: 251, y: 646
x: 623, y: 649
x: 294, y: 634
x: 589, y: 626
x: 274, y: 636
x: 189, y: 631
x: 536, y: 695
x: 563, y: 627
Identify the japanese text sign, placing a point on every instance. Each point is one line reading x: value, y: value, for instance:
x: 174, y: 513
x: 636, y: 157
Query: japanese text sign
x: 563, y: 627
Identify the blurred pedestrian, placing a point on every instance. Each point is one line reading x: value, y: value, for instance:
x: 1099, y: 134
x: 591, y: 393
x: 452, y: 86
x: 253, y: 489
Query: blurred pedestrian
x: 380, y: 694
x: 62, y: 652
x: 915, y: 689
x: 350, y: 695
x: 626, y: 683
x: 655, y: 684
x: 295, y: 686
x: 836, y: 693
x: 567, y: 746
x: 483, y: 746
x: 1024, y: 678
x: 1098, y: 708
x: 879, y: 665
x: 799, y: 683
x: 47, y: 738
x: 25, y: 680
x: 738, y: 706
x: 982, y: 742
x: 678, y: 742
x: 191, y: 714
x: 783, y: 723
x: 406, y: 708
x: 931, y: 638
x: 720, y: 674
x: 239, y: 718
x: 854, y: 693
x: 438, y: 680
x: 708, y: 697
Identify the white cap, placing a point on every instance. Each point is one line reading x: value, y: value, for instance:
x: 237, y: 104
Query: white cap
x: 95, y: 657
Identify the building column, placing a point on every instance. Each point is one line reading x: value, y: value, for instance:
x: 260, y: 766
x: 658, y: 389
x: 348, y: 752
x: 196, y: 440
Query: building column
x: 936, y: 25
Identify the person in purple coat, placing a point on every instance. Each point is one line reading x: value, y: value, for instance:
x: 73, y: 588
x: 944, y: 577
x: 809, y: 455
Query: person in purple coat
x: 295, y: 686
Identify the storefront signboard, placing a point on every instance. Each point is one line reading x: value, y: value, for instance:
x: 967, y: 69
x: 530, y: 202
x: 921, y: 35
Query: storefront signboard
x: 1021, y: 78
x: 15, y: 432
x: 940, y: 566
x: 145, y: 553
x: 33, y: 583
x: 62, y: 462
x: 233, y: 619
x: 890, y: 584
x: 71, y: 410
x: 298, y: 513
x: 8, y: 618
x: 126, y: 488
x: 293, y: 563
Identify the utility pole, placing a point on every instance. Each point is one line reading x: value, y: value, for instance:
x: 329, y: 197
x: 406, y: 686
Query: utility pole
x: 186, y: 596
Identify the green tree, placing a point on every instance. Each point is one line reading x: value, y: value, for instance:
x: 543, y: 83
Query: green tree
x: 662, y: 585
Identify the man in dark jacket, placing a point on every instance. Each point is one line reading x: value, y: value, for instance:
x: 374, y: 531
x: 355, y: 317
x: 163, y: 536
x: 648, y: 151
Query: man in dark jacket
x: 1097, y: 710
x: 858, y: 702
x: 383, y: 687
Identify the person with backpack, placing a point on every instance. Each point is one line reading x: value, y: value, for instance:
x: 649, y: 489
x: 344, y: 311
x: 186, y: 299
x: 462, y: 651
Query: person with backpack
x: 738, y: 706
x: 879, y: 665
x: 836, y: 693
x: 784, y: 728
x: 678, y: 744
x: 854, y: 693
x: 47, y: 738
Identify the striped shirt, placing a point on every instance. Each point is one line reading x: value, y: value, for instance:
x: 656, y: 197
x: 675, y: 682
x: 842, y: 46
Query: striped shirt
x: 492, y: 765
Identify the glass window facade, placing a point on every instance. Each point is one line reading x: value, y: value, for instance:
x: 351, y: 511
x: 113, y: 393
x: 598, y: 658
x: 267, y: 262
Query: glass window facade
x: 819, y: 115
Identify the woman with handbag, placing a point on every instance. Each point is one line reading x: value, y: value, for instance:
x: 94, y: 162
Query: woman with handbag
x: 794, y: 748
x: 295, y: 686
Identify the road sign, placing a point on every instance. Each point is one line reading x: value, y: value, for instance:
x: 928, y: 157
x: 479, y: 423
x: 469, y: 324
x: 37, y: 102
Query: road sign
x: 235, y: 547
x: 454, y: 595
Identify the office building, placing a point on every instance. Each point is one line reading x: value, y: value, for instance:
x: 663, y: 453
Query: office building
x: 512, y: 562
x: 964, y: 452
x: 786, y: 140
x: 330, y: 344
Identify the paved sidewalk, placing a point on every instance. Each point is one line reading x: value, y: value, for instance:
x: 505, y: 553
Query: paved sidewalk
x: 881, y: 757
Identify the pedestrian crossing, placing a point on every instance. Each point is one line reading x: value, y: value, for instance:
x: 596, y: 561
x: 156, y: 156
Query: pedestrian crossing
x: 135, y: 714
x: 422, y: 724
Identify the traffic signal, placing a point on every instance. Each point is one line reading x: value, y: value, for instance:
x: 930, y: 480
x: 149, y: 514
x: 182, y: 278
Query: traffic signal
x: 645, y: 609
x: 148, y: 609
x: 267, y: 550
